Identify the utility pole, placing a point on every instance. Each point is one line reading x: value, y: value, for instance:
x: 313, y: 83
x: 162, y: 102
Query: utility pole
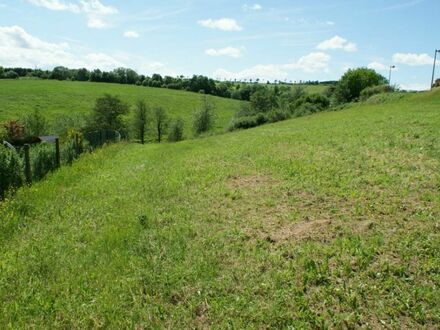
x: 389, y: 79
x: 433, y: 67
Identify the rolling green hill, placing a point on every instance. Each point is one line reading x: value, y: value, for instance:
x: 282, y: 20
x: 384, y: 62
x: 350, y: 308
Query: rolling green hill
x: 57, y: 98
x: 327, y: 220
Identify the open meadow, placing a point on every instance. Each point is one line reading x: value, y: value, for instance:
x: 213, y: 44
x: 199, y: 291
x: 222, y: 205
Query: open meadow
x: 56, y: 99
x: 329, y: 220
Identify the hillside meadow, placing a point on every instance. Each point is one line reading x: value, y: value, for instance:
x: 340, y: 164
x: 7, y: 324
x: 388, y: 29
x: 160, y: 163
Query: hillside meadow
x: 58, y: 98
x: 330, y: 220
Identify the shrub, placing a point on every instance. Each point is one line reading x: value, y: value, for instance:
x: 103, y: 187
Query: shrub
x: 246, y: 122
x: 370, y: 91
x: 14, y: 130
x: 204, y: 118
x: 176, y: 131
x: 278, y: 115
x: 62, y: 125
x: 3, y: 133
x: 35, y: 124
x: 69, y: 152
x: 437, y: 83
x: 43, y: 160
x: 11, y: 171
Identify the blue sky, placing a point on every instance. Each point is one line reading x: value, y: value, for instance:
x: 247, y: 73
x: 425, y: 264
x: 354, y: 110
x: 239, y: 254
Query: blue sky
x: 270, y: 40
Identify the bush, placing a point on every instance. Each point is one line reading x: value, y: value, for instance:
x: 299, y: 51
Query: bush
x: 370, y: 91
x: 43, y: 160
x: 3, y: 133
x: 176, y: 131
x: 35, y: 124
x: 69, y: 152
x: 11, y: 171
x: 437, y: 83
x: 204, y: 118
x: 246, y: 122
x: 62, y: 125
x: 278, y: 115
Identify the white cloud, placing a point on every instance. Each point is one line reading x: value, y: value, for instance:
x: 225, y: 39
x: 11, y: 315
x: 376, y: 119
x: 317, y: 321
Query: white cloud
x: 254, y: 7
x: 131, y: 34
x: 337, y: 42
x: 413, y: 59
x: 150, y: 68
x: 378, y: 66
x: 415, y: 87
x: 227, y: 51
x: 313, y: 62
x: 225, y: 24
x: 56, y: 5
x: 95, y: 11
x: 19, y: 48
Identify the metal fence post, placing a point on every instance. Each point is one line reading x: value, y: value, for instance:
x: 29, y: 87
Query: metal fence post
x: 27, y: 164
x: 57, y: 153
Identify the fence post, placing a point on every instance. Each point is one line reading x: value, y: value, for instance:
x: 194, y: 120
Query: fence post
x: 27, y: 164
x: 57, y: 153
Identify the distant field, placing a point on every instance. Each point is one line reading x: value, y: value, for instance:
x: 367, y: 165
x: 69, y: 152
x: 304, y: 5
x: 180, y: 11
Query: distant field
x: 56, y: 98
x: 326, y: 221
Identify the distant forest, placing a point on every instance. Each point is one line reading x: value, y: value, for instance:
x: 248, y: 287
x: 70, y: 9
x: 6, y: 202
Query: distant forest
x: 239, y: 90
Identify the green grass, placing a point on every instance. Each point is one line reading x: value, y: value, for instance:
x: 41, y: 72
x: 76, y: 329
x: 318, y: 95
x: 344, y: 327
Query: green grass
x: 58, y: 98
x: 330, y: 220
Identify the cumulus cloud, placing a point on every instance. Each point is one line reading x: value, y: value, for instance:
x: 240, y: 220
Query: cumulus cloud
x: 224, y: 24
x: 337, y: 42
x: 150, y: 68
x: 313, y: 62
x: 413, y: 59
x: 378, y: 66
x: 254, y: 7
x: 56, y: 5
x: 19, y: 48
x: 415, y: 87
x: 95, y: 11
x: 131, y: 34
x: 227, y: 51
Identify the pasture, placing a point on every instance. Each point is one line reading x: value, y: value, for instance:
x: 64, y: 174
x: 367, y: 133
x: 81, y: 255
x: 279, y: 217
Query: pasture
x: 328, y: 220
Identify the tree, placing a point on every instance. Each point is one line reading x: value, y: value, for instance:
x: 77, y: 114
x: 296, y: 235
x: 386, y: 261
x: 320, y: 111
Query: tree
x: 263, y: 100
x: 108, y: 112
x: 60, y: 73
x: 160, y: 122
x: 82, y: 75
x: 11, y: 75
x: 176, y: 131
x: 354, y: 81
x: 140, y: 120
x: 204, y: 117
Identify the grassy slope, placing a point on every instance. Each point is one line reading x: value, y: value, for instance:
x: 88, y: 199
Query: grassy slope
x: 57, y: 98
x: 328, y: 219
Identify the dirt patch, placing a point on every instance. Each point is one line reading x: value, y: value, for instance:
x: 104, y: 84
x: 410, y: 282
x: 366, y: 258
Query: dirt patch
x: 300, y: 231
x: 251, y: 181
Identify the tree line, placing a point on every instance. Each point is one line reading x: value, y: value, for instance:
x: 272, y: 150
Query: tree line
x: 239, y: 90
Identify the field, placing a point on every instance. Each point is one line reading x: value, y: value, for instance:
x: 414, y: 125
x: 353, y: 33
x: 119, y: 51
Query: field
x: 330, y: 220
x: 58, y: 98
